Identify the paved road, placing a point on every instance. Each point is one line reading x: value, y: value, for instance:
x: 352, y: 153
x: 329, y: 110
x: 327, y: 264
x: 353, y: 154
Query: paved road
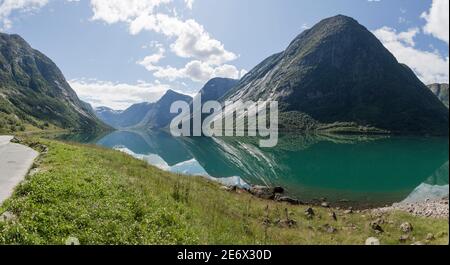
x: 15, y: 161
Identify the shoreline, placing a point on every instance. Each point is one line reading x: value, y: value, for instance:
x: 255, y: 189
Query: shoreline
x: 430, y: 208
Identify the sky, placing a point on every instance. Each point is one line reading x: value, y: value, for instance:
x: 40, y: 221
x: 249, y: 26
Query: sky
x: 116, y: 53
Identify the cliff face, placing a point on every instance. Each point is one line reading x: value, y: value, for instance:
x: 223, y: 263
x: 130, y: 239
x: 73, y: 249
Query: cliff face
x: 441, y: 91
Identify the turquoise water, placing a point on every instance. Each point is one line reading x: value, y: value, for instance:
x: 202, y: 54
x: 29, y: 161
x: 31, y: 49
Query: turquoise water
x: 352, y: 169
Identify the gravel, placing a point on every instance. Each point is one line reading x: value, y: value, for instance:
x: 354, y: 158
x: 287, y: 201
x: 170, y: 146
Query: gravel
x: 429, y: 208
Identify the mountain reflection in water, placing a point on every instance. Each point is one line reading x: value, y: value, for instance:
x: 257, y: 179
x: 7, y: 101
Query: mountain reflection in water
x: 360, y: 169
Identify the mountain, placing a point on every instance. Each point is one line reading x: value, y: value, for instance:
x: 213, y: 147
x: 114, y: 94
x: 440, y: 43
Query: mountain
x: 34, y: 92
x: 441, y: 91
x: 215, y: 88
x: 108, y: 115
x: 338, y: 76
x: 159, y: 115
x: 124, y: 119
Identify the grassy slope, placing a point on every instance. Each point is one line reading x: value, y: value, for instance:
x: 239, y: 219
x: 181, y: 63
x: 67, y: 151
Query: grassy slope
x: 105, y: 197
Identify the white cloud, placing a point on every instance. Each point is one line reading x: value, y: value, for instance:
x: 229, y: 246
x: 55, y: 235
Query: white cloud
x: 191, y: 39
x: 113, y: 11
x: 208, y: 56
x: 149, y: 62
x: 430, y: 67
x: 389, y: 35
x: 438, y: 20
x: 117, y: 96
x: 198, y: 71
x: 9, y: 6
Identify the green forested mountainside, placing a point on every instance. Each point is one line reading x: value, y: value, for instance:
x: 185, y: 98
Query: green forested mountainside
x: 338, y: 76
x: 34, y: 92
x: 441, y: 91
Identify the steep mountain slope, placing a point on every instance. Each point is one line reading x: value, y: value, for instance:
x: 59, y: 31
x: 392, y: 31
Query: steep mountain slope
x: 108, y: 115
x: 34, y: 91
x: 159, y: 115
x: 215, y: 88
x: 441, y: 91
x: 124, y: 119
x: 338, y: 76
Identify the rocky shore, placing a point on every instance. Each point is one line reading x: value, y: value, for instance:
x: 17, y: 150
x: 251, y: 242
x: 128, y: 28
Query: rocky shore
x: 428, y: 208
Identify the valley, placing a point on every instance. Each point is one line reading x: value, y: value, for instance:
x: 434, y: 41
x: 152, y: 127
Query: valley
x: 362, y: 149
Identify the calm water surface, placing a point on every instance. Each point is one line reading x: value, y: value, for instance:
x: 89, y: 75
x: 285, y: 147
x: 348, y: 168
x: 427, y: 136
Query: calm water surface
x: 353, y: 169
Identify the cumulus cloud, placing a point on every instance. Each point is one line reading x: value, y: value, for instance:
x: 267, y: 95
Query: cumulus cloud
x: 191, y: 39
x: 9, y: 6
x: 208, y: 56
x: 118, y: 96
x: 197, y: 71
x: 430, y: 67
x: 113, y: 11
x: 438, y: 20
x: 150, y: 62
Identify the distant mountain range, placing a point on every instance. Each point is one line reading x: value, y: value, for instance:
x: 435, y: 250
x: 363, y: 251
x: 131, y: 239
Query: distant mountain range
x: 335, y: 77
x: 124, y: 119
x: 338, y: 76
x: 35, y: 94
x: 143, y: 115
x: 441, y: 91
x: 157, y: 115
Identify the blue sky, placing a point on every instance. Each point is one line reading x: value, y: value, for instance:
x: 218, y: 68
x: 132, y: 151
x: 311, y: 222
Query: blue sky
x: 120, y: 52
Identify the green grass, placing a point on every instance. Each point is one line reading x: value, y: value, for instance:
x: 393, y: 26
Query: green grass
x: 102, y: 196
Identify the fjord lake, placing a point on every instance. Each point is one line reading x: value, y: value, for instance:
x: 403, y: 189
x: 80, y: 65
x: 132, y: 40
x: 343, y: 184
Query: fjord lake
x: 351, y: 170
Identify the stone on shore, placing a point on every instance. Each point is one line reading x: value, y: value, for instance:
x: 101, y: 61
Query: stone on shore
x: 325, y: 204
x: 406, y: 227
x: 430, y: 237
x: 269, y: 193
x: 310, y: 213
x: 375, y: 225
x: 372, y: 241
x: 7, y: 217
x: 72, y: 241
x: 281, y: 198
x: 429, y: 208
x: 263, y: 192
